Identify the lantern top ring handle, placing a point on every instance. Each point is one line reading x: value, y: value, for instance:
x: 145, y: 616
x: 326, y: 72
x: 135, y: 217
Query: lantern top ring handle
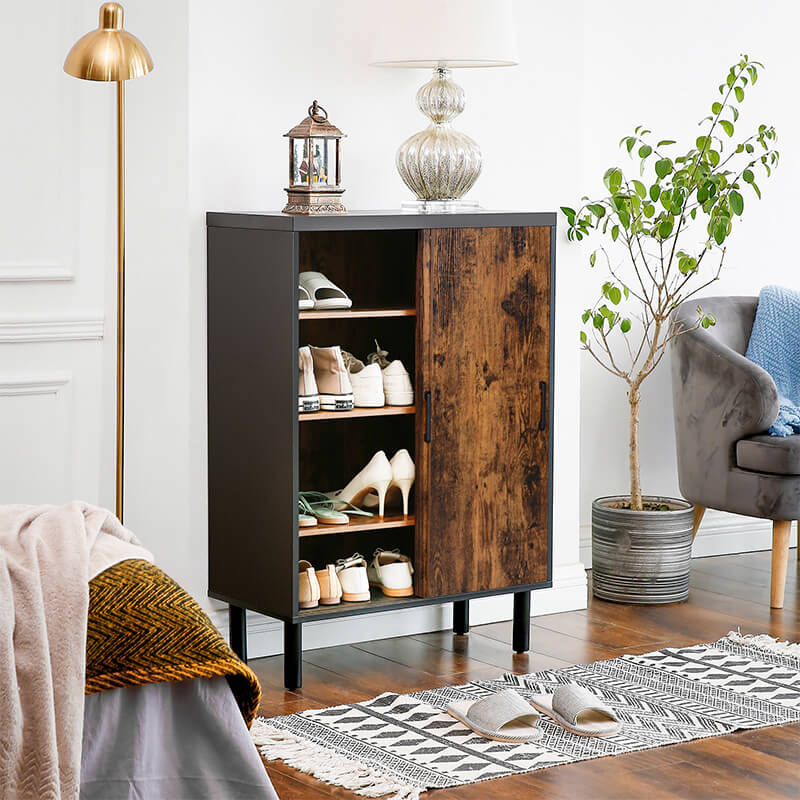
x: 317, y: 112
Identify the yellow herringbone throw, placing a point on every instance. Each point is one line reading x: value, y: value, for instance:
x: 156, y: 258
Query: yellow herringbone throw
x: 144, y: 628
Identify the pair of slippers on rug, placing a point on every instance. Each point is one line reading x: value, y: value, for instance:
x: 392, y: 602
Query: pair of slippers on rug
x: 507, y: 717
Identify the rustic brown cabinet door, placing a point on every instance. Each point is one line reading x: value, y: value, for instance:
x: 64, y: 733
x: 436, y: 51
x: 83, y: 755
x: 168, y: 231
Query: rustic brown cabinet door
x: 483, y: 375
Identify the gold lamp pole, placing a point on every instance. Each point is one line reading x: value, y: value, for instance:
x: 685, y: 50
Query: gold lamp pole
x: 110, y: 53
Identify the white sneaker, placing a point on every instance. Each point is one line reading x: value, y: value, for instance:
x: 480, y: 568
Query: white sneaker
x: 366, y: 380
x: 307, y: 392
x: 397, y: 386
x: 392, y: 573
x: 352, y: 574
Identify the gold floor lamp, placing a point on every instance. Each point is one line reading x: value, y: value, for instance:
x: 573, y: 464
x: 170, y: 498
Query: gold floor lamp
x: 110, y: 53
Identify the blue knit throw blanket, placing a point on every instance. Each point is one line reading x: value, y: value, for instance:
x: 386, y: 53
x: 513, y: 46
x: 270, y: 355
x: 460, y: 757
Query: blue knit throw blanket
x: 775, y: 346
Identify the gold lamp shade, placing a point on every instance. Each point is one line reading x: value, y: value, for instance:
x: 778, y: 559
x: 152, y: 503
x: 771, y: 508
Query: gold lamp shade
x: 108, y: 53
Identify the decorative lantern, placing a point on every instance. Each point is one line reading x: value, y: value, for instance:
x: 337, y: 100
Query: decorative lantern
x: 315, y: 166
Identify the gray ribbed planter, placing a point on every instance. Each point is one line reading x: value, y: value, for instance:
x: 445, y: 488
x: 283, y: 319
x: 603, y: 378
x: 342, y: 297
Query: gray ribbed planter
x: 641, y: 556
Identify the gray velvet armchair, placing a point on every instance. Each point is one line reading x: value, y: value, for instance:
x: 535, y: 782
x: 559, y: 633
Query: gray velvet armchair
x: 723, y: 406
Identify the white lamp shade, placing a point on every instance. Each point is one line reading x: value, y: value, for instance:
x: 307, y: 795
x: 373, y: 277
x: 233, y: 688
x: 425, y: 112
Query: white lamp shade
x: 445, y: 33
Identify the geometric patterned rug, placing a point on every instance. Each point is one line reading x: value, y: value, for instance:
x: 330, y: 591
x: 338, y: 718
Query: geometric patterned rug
x: 404, y: 744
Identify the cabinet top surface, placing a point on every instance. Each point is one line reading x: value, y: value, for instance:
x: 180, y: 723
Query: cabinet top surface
x: 380, y: 220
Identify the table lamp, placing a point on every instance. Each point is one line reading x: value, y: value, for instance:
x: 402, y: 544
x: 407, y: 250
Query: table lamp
x: 441, y: 164
x: 110, y: 53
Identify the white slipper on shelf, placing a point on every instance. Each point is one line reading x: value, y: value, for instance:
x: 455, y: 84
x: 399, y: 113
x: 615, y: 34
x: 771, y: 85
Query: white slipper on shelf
x: 304, y: 302
x: 503, y: 717
x: 391, y: 573
x: 577, y: 710
x: 326, y: 295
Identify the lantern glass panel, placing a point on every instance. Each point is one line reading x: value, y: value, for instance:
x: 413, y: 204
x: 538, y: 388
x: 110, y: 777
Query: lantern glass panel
x: 323, y: 162
x: 300, y: 162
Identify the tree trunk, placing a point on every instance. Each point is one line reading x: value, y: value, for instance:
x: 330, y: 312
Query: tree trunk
x: 633, y: 450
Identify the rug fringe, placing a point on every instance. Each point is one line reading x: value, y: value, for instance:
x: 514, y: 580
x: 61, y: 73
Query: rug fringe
x: 765, y: 642
x: 327, y: 765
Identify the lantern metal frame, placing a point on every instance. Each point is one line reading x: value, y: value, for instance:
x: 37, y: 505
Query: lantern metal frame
x: 312, y: 197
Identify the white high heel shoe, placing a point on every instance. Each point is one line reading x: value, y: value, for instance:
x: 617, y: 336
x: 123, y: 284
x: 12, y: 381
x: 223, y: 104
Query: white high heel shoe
x: 376, y: 475
x: 403, y: 474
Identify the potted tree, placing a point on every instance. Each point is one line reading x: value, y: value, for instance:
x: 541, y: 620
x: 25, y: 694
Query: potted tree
x: 665, y: 233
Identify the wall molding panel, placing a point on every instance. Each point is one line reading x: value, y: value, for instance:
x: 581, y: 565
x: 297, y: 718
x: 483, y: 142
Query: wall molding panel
x: 33, y: 384
x: 51, y: 329
x: 33, y: 272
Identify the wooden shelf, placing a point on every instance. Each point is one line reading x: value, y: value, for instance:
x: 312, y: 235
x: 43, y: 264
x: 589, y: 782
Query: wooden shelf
x: 358, y: 524
x: 359, y: 313
x: 383, y: 411
x: 377, y: 602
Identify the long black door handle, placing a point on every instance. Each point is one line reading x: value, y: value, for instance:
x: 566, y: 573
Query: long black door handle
x: 427, y: 416
x: 542, y: 405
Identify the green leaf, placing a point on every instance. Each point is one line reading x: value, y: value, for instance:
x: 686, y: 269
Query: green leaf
x: 596, y: 209
x: 655, y: 191
x: 598, y: 321
x: 613, y: 179
x: 665, y: 227
x: 625, y: 325
x: 756, y: 190
x: 614, y: 233
x: 739, y: 92
x: 701, y: 143
x: 737, y: 202
x: 586, y: 314
x: 727, y: 126
x: 716, y: 108
x: 645, y: 151
x: 663, y: 167
x: 614, y: 295
x: 720, y: 232
x: 583, y: 337
x: 665, y: 142
x: 748, y: 176
x: 593, y: 258
x: 640, y: 188
x: 629, y: 143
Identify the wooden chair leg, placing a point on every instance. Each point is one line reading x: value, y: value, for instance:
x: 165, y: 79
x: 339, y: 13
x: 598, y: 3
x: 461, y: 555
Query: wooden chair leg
x: 698, y: 518
x: 780, y: 555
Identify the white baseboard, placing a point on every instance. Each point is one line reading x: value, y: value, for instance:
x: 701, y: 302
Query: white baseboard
x: 265, y: 635
x: 720, y: 534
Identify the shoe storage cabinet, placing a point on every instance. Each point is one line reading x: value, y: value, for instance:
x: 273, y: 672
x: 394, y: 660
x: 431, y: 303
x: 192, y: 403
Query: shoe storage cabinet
x: 466, y: 302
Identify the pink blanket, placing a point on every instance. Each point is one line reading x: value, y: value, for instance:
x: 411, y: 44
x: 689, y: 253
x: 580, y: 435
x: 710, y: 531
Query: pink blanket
x: 47, y: 556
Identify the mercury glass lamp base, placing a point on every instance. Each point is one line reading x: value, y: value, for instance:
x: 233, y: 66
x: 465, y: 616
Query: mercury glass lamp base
x: 439, y: 206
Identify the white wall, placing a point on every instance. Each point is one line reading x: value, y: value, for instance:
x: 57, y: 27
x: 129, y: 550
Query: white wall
x: 647, y: 65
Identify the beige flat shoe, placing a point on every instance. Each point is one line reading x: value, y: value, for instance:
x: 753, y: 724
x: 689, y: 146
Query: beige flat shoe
x: 391, y: 573
x: 308, y: 586
x: 330, y: 590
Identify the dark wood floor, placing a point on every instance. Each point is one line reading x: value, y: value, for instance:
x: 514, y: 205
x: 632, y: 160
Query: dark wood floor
x: 727, y: 591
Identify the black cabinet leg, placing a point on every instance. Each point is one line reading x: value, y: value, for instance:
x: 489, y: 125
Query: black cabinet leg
x: 460, y: 617
x: 292, y: 655
x: 521, y: 637
x: 237, y: 631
